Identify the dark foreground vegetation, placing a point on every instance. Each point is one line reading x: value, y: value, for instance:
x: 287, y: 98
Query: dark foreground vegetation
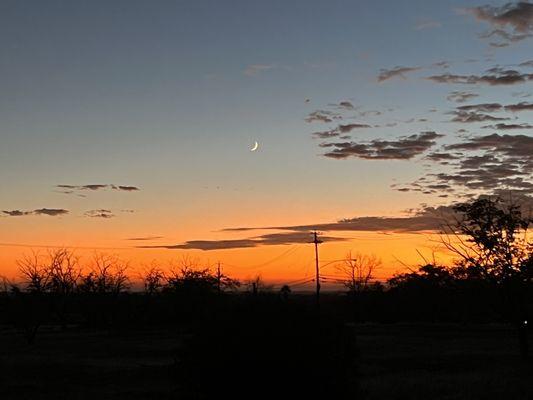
x: 456, y: 332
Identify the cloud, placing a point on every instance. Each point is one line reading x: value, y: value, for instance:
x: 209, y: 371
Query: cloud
x: 511, y: 22
x: 325, y: 134
x: 484, y: 107
x: 17, y: 213
x: 472, y: 116
x: 322, y: 116
x: 386, y: 74
x: 425, y: 219
x: 271, y: 239
x: 528, y: 63
x: 439, y: 156
x: 126, y: 188
x: 486, y: 164
x: 145, y: 238
x: 344, y: 105
x: 101, y: 213
x: 518, y: 16
x: 494, y: 78
x: 95, y: 187
x: 339, y: 130
x: 508, y: 126
x: 505, y: 37
x: 52, y: 212
x: 523, y: 106
x: 350, y: 127
x: 510, y: 145
x: 255, y: 69
x: 404, y: 148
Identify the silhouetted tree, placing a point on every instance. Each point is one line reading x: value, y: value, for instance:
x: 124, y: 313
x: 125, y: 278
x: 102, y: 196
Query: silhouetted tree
x: 490, y: 236
x: 285, y: 292
x: 153, y: 280
x: 107, y: 275
x: 29, y: 308
x: 101, y: 288
x: 356, y: 274
x: 35, y: 275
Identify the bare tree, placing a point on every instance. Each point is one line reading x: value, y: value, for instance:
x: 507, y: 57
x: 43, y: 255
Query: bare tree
x: 257, y: 285
x: 357, y: 270
x: 63, y: 271
x: 29, y: 310
x: 34, y: 274
x: 107, y: 275
x: 153, y: 280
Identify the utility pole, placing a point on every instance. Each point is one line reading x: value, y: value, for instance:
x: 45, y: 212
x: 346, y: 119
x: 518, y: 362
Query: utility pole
x: 317, y: 268
x: 219, y: 278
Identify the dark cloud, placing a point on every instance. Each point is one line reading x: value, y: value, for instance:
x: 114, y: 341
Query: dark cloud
x: 95, y: 187
x: 339, y: 130
x: 484, y: 107
x: 526, y: 64
x: 271, y: 239
x: 425, y: 219
x: 325, y: 134
x: 17, y: 213
x: 386, y: 74
x: 506, y: 38
x: 126, y: 188
x: 518, y: 16
x: 494, y: 78
x: 350, y: 127
x: 523, y: 106
x: 472, y: 116
x: 486, y: 164
x: 322, y: 116
x: 344, y: 105
x: 52, y: 212
x: 438, y: 156
x: 404, y: 148
x: 461, y: 97
x: 106, y: 214
x: 508, y: 126
x: 509, y: 145
x: 145, y: 238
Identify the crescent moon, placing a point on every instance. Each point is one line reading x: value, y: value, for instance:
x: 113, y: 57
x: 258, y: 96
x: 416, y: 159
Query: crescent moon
x: 255, y: 147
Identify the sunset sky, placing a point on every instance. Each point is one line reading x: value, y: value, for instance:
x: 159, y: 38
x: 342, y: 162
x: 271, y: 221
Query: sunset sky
x: 126, y: 126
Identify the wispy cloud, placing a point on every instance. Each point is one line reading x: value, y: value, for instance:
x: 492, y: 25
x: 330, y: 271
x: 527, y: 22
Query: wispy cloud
x: 101, y: 213
x: 495, y: 78
x: 396, y: 72
x: 143, y: 238
x: 511, y: 22
x: 52, y: 212
x: 271, y: 239
x: 95, y: 187
x: 256, y: 69
x: 404, y: 148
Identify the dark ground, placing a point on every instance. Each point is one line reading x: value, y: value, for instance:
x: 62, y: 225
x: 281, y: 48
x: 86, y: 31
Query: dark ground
x: 395, y: 361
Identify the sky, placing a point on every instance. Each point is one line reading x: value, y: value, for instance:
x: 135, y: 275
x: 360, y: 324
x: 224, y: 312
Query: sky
x: 126, y: 127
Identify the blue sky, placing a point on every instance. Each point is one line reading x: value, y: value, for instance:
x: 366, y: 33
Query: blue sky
x: 169, y: 96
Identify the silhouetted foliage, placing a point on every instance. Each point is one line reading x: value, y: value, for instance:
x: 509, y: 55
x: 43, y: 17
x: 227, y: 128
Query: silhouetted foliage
x: 497, y: 250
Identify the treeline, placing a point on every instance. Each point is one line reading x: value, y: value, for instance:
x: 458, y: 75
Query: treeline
x: 492, y: 281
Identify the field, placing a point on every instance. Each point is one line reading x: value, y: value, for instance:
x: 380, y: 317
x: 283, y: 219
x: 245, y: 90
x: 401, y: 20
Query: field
x: 394, y: 361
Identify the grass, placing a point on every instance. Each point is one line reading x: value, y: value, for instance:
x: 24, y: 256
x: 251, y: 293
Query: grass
x: 396, y: 361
